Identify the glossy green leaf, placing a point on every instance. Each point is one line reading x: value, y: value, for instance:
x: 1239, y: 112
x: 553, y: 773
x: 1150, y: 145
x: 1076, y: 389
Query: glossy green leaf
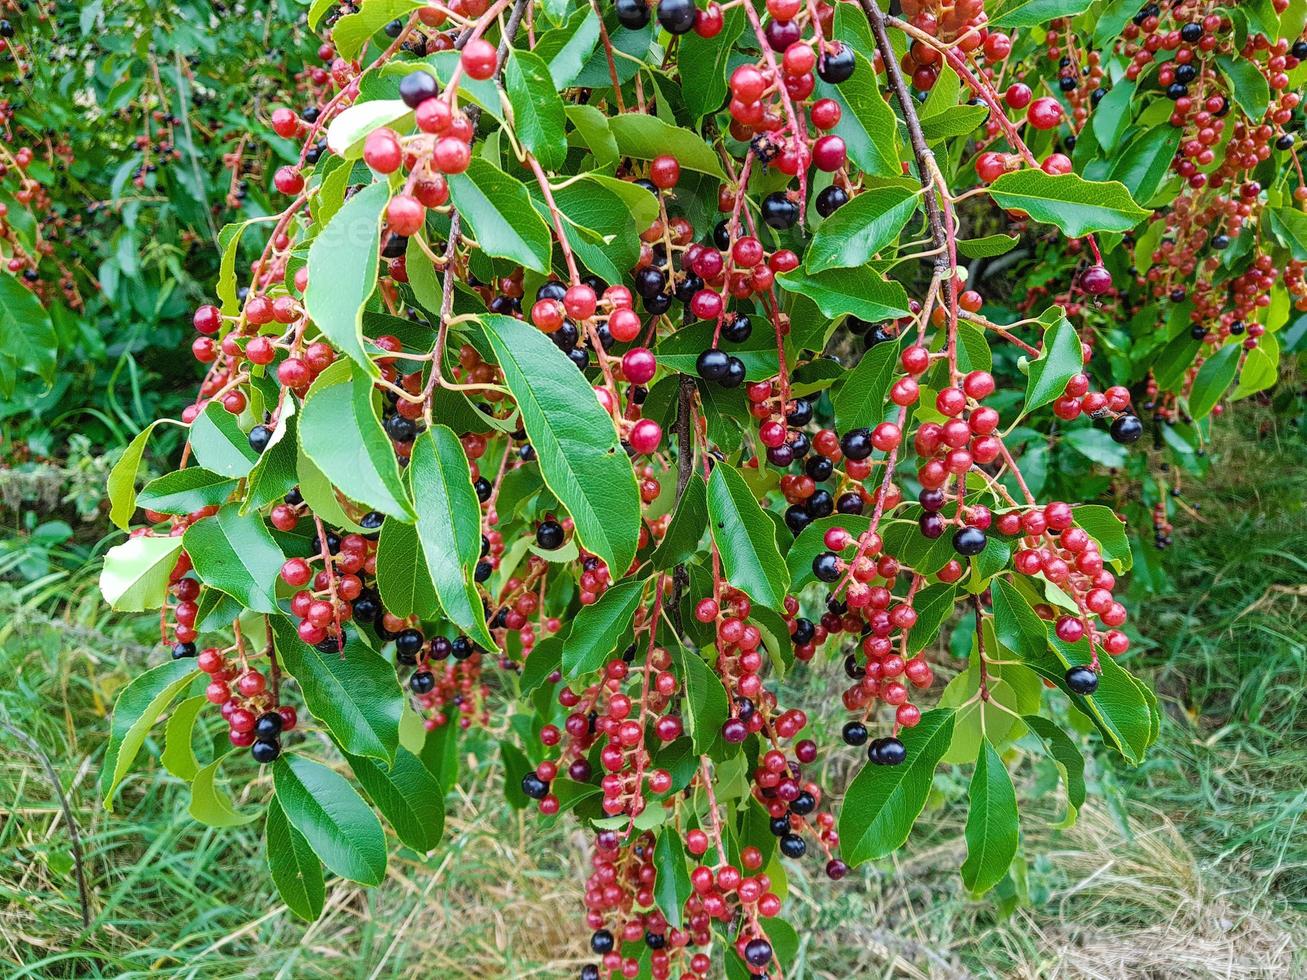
x: 672, y: 882
x: 1248, y: 86
x: 857, y: 292
x: 598, y: 628
x: 237, y: 554
x: 992, y: 829
x: 339, y: 430
x: 497, y: 209
x: 987, y: 247
x: 646, y: 137
x: 185, y: 490
x: 1289, y: 225
x: 353, y: 693
x: 1060, y: 360
x: 295, y: 869
x: 408, y: 796
x: 538, y: 117
x: 705, y: 62
x: 353, y: 31
x: 178, y: 755
x: 861, y: 228
x: 319, y: 803
x: 219, y: 444
x: 1035, y: 13
x: 860, y: 397
x: 449, y: 527
x: 1075, y: 205
x: 274, y: 475
x: 1145, y: 162
x: 1108, y: 530
x: 705, y: 702
x: 688, y: 523
x: 574, y: 439
x: 27, y: 336
x: 402, y: 576
x: 211, y: 805
x: 867, y: 124
x: 883, y: 802
x: 1070, y: 764
x: 134, y: 713
x: 1214, y: 377
x: 349, y: 130
x: 746, y: 538
x: 545, y: 658
x: 135, y: 573
x: 343, y: 271
x: 121, y: 485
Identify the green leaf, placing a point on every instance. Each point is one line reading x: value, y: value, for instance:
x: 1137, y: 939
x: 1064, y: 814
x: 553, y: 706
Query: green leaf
x: 1146, y: 161
x: 1070, y: 763
x: 449, y: 527
x: 135, y: 573
x: 599, y: 627
x: 992, y: 827
x: 859, y: 397
x: 867, y: 125
x: 567, y: 49
x: 340, y: 432
x: 498, y: 209
x: 1102, y: 524
x: 274, y: 475
x: 229, y: 240
x: 705, y: 702
x: 353, y: 693
x: 212, y: 806
x: 516, y: 766
x: 1035, y: 13
x: 353, y: 31
x: 349, y: 130
x: 1075, y: 205
x: 1097, y: 445
x: 178, y: 755
x: 134, y: 713
x: 987, y: 247
x: 1290, y: 226
x: 402, y: 576
x: 934, y: 605
x: 672, y: 884
x: 688, y: 523
x: 237, y: 555
x: 1248, y: 86
x: 337, y: 824
x: 810, y: 543
x: 1112, y: 117
x: 862, y: 292
x: 860, y: 229
x: 219, y: 444
x: 295, y: 869
x: 574, y: 439
x: 538, y: 117
x: 703, y: 64
x: 883, y: 802
x: 27, y: 337
x: 545, y: 658
x: 1213, y: 379
x: 343, y: 271
x: 185, y: 490
x: 645, y: 137
x: 121, y: 485
x: 593, y: 127
x: 408, y: 796
x: 960, y: 120
x: 746, y: 538
x: 1061, y: 360
x: 440, y: 754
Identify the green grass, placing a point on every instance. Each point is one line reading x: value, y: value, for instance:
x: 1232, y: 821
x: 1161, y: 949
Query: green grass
x: 1193, y: 865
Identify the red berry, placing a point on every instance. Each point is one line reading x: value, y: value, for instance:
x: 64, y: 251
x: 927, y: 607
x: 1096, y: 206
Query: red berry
x: 664, y: 172
x: 480, y: 59
x: 405, y: 215
x: 382, y: 152
x: 1044, y: 113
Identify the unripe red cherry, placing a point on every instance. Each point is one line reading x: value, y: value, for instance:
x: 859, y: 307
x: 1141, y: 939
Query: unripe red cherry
x: 260, y: 350
x: 708, y: 23
x: 978, y: 385
x: 405, y: 215
x: 664, y: 172
x: 623, y: 324
x: 382, y: 152
x: 997, y: 46
x: 204, y: 350
x: 915, y: 359
x: 293, y: 373
x: 579, y: 301
x: 1056, y: 163
x: 433, y: 116
x: 285, y: 122
x: 645, y: 436
x: 1096, y: 280
x: 990, y: 166
x: 1044, y: 113
x: 452, y: 155
x: 288, y: 180
x: 829, y: 153
x: 825, y: 113
x: 639, y: 365
x: 480, y: 59
x: 207, y: 319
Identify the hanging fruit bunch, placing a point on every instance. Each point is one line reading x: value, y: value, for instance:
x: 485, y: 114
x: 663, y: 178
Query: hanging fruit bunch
x: 602, y: 367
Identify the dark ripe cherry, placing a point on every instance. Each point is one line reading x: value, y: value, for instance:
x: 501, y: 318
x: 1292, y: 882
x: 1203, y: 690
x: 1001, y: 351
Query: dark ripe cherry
x: 1082, y: 680
x: 757, y: 952
x: 259, y: 438
x: 416, y: 87
x: 1096, y: 280
x: 778, y: 211
x: 793, y: 846
x: 549, y: 535
x: 826, y: 566
x: 401, y: 429
x: 181, y: 651
x: 602, y: 942
x: 735, y: 372
x: 830, y: 200
x: 649, y: 282
x: 837, y: 65
x: 632, y: 14
x: 713, y: 364
x: 734, y: 730
x: 820, y: 504
x: 782, y: 33
x: 819, y: 468
x: 931, y: 525
x: 423, y: 682
x: 803, y: 804
x: 268, y: 725
x: 589, y: 972
x: 1126, y: 429
x: 1192, y: 32
x: 887, y: 751
x: 796, y: 516
x: 856, y: 444
x: 850, y: 503
x: 801, y: 414
x: 737, y: 328
x: 408, y: 643
x: 969, y: 541
x: 537, y: 789
x: 855, y: 733
x: 676, y: 16
x: 265, y: 750
x: 804, y: 631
